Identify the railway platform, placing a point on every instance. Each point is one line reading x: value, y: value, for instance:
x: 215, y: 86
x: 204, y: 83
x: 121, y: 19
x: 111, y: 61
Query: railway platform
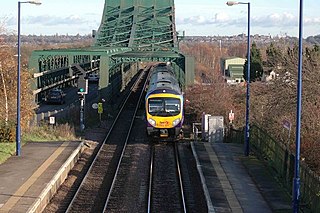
x: 235, y: 183
x: 231, y: 182
x: 26, y: 181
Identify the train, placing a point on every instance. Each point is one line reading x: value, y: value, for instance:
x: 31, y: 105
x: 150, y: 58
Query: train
x: 164, y: 103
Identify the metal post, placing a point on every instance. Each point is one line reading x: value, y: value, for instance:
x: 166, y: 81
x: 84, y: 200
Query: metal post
x: 296, y: 184
x: 18, y: 127
x: 82, y: 101
x: 247, y: 131
x: 246, y: 151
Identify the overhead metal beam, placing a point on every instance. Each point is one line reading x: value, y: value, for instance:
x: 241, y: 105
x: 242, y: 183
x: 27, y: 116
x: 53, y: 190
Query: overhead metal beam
x: 131, y: 31
x: 152, y: 19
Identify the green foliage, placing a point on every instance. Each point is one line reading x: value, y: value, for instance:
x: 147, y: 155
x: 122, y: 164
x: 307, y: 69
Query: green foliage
x: 256, y: 69
x: 7, y: 132
x: 6, y: 150
x: 274, y: 56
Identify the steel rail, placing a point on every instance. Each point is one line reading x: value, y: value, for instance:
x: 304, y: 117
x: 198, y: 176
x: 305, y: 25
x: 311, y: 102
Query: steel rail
x: 101, y: 145
x: 124, y: 146
x: 180, y: 177
x: 150, y: 179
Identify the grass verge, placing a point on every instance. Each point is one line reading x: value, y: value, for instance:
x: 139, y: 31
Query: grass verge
x: 6, y: 150
x: 44, y: 133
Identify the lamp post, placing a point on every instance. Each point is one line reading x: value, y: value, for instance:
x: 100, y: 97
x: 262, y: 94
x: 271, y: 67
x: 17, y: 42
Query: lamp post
x: 18, y: 128
x: 247, y: 133
x: 296, y: 181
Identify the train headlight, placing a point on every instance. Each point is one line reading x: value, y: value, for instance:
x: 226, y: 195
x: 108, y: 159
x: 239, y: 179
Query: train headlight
x: 176, y: 122
x: 152, y: 122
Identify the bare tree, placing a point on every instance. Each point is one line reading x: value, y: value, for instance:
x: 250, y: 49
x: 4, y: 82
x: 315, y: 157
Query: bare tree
x: 5, y: 95
x: 215, y: 96
x: 275, y: 102
x: 8, y: 88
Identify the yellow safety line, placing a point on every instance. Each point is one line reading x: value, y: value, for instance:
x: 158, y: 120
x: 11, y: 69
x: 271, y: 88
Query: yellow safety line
x: 22, y: 190
x: 226, y: 185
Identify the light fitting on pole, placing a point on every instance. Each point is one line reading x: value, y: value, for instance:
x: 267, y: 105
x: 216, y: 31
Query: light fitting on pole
x: 231, y: 3
x: 34, y: 2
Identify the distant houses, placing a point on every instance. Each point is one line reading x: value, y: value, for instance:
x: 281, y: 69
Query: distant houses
x: 269, y: 76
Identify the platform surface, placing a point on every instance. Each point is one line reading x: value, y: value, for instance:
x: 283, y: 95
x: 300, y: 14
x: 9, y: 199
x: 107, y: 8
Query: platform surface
x: 237, y: 183
x: 23, y: 178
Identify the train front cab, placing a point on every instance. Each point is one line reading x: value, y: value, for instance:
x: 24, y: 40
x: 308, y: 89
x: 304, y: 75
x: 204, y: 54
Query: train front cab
x: 164, y: 116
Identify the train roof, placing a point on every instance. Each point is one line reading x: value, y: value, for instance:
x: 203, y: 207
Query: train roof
x: 163, y: 78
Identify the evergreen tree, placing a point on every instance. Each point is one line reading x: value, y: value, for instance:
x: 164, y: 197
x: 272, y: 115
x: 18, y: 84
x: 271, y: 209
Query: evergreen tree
x: 256, y: 69
x: 274, y: 56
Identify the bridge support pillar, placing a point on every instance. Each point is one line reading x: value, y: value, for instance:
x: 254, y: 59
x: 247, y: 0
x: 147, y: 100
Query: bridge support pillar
x: 104, y: 77
x: 71, y: 61
x: 189, y: 70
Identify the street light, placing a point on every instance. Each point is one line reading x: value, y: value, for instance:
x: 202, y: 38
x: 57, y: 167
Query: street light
x: 246, y: 148
x: 18, y: 129
x: 296, y: 181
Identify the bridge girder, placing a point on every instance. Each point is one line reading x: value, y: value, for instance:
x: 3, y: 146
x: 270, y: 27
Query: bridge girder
x: 145, y: 25
x: 131, y: 31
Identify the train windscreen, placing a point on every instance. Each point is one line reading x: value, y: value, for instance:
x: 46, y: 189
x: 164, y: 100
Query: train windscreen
x: 164, y: 106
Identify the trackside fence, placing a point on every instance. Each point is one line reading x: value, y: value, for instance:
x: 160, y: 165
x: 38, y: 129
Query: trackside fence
x: 234, y: 135
x: 282, y: 161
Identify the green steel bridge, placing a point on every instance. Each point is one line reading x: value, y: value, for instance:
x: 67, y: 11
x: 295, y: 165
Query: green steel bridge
x: 131, y: 32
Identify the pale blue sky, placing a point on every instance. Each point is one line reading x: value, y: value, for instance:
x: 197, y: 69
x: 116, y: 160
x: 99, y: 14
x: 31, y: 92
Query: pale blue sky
x: 195, y: 17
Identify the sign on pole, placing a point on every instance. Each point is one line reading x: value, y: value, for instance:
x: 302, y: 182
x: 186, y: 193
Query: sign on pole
x: 287, y: 125
x: 231, y: 116
x: 52, y: 120
x: 100, y: 108
x: 94, y: 106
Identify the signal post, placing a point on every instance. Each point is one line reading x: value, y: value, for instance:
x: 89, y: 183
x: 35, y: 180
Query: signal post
x: 82, y: 91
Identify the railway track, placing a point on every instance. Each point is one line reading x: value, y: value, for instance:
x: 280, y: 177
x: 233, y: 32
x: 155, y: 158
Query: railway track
x: 95, y: 189
x: 158, y: 188
x: 166, y: 193
x: 119, y: 180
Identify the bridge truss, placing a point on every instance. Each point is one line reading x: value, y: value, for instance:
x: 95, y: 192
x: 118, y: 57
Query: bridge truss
x: 131, y: 32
